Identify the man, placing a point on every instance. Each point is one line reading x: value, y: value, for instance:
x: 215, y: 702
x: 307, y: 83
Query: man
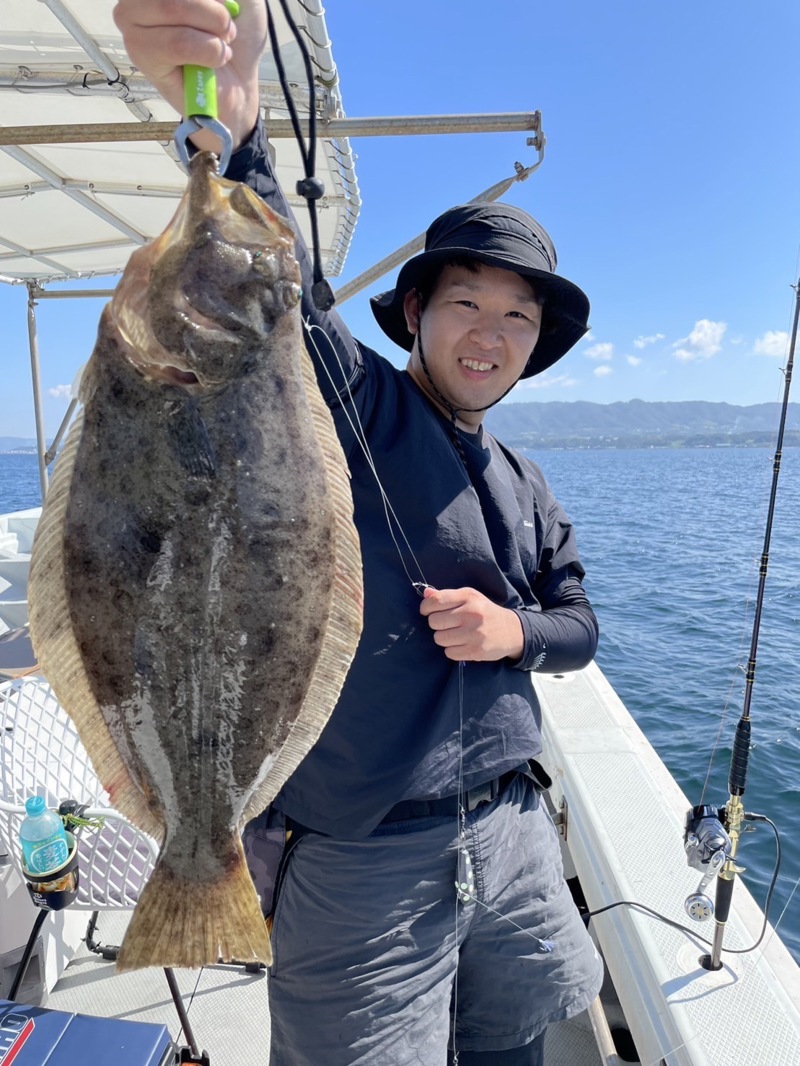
x: 423, y: 780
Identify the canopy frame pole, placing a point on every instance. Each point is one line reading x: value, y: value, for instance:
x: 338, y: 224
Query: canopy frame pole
x: 33, y: 345
x: 98, y: 56
x: 330, y: 129
x: 49, y: 453
x: 416, y: 244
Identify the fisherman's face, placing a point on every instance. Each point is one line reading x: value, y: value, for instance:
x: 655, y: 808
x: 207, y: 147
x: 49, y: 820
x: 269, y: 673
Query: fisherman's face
x: 478, y: 330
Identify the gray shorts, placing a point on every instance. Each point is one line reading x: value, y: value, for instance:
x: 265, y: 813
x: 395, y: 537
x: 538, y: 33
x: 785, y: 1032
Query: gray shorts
x: 377, y: 963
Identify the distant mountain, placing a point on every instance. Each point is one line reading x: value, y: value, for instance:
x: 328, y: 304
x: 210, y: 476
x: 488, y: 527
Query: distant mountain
x: 632, y: 424
x: 18, y: 444
x: 640, y: 424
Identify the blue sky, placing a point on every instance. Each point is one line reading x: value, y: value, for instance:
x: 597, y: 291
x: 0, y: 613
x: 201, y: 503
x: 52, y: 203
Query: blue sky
x: 669, y: 183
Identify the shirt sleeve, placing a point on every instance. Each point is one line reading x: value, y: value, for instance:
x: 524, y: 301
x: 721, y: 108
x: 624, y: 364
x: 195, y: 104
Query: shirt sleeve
x: 333, y: 349
x: 560, y: 628
x: 562, y: 633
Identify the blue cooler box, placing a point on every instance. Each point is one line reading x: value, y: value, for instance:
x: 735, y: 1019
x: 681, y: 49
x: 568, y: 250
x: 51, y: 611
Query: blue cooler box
x: 30, y: 1036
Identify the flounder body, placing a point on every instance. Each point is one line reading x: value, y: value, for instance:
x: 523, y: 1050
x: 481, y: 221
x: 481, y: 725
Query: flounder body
x: 195, y: 587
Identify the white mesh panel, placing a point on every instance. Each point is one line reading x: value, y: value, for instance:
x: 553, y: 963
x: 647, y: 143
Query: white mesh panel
x: 41, y: 754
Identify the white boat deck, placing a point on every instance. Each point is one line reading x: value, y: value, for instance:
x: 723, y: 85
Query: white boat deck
x: 624, y: 832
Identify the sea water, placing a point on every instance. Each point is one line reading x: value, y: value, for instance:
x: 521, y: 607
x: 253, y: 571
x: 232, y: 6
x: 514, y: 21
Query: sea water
x: 671, y: 540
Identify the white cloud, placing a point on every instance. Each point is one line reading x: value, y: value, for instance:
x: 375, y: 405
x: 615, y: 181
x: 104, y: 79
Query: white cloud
x: 603, y: 351
x: 602, y: 371
x: 633, y: 360
x: 61, y: 392
x: 774, y: 342
x: 547, y: 381
x: 704, y: 341
x: 642, y: 342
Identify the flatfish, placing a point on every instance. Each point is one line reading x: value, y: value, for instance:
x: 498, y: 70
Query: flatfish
x: 195, y: 584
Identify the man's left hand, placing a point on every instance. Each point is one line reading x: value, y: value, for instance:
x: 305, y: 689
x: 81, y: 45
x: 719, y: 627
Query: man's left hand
x: 470, y: 627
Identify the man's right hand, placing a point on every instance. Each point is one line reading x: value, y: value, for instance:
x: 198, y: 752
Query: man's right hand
x: 162, y: 35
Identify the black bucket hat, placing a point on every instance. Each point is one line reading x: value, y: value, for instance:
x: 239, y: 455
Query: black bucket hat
x: 499, y: 235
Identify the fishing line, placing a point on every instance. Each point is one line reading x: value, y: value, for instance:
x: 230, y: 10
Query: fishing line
x: 188, y: 1007
x: 310, y: 187
x: 360, y: 436
x: 464, y: 884
x: 462, y: 823
x: 781, y: 916
x: 322, y: 295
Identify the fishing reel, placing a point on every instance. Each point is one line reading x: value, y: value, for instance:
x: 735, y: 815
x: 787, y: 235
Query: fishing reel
x: 708, y: 847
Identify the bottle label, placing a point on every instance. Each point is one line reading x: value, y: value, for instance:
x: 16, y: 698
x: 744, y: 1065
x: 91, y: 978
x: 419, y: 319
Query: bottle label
x: 47, y: 855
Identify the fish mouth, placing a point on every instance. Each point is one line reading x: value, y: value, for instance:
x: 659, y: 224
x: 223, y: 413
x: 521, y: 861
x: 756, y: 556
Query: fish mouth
x: 173, y: 375
x: 197, y: 329
x: 187, y: 313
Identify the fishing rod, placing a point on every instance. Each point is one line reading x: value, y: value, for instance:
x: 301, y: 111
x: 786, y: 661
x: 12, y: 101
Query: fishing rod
x: 712, y: 834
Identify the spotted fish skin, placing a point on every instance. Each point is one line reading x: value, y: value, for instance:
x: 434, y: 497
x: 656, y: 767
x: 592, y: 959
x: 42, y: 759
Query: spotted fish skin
x: 195, y: 584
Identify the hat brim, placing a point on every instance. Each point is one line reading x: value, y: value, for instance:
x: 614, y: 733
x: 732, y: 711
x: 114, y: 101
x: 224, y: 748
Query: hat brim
x: 565, y: 309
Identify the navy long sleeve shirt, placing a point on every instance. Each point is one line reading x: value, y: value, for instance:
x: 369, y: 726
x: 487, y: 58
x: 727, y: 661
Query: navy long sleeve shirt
x: 405, y: 725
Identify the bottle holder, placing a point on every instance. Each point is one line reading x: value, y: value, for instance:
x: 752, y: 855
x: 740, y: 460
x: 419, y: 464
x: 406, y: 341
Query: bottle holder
x: 57, y: 888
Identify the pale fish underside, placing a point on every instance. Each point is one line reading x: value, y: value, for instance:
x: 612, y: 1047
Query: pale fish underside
x: 195, y: 587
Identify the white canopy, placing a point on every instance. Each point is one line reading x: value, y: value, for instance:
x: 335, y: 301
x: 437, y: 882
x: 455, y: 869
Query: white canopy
x: 76, y: 210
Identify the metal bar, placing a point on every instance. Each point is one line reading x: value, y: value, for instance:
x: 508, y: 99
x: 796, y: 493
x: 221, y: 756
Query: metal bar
x: 21, y: 191
x: 418, y: 243
x: 82, y: 82
x: 33, y: 344
x: 26, y: 955
x: 182, y: 1013
x: 86, y: 133
x: 83, y: 275
x: 43, y: 294
x: 135, y: 87
x: 51, y: 451
x: 279, y: 128
x: 404, y: 126
x: 118, y: 188
x: 26, y: 253
x: 150, y: 192
x: 321, y: 53
x: 602, y: 1033
x: 56, y: 250
x: 79, y: 34
x: 57, y: 182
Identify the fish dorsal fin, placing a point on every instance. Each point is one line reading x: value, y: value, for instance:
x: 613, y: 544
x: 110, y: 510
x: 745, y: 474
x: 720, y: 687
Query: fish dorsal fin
x: 57, y: 649
x: 343, y: 617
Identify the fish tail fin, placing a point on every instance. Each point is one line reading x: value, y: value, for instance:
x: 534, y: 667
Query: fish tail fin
x: 186, y: 923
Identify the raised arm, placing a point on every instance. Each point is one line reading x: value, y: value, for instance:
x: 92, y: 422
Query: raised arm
x: 161, y: 36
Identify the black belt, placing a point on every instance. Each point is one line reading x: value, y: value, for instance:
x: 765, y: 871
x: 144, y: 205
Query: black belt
x: 449, y: 806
